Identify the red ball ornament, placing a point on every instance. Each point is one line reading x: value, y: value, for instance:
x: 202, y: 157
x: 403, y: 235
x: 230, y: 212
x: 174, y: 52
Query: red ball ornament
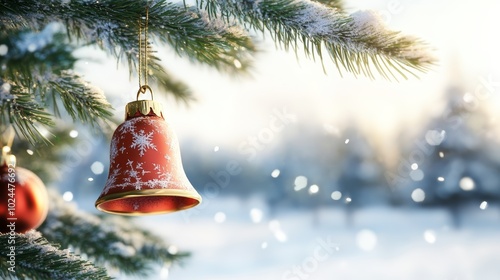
x: 23, y: 199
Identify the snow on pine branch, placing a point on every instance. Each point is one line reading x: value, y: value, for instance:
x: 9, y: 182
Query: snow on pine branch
x: 371, y: 23
x: 362, y: 31
x: 113, y: 25
x: 81, y: 99
x: 122, y: 244
x: 316, y: 19
x: 351, y: 40
x: 93, y: 92
x: 38, y: 259
x: 220, y: 25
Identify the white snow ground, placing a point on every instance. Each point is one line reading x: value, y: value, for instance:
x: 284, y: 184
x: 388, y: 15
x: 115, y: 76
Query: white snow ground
x: 382, y: 243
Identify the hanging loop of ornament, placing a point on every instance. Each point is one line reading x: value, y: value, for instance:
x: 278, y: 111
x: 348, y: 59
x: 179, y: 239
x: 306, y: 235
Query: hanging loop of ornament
x: 142, y: 90
x: 143, y: 52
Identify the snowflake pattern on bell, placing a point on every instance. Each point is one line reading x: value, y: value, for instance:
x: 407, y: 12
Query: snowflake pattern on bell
x: 145, y: 173
x: 113, y: 176
x: 114, y: 149
x: 151, y: 169
x: 143, y: 142
x: 136, y: 206
x: 128, y: 126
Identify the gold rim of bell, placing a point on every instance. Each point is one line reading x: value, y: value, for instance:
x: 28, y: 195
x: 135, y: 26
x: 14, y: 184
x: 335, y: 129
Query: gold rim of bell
x: 140, y: 193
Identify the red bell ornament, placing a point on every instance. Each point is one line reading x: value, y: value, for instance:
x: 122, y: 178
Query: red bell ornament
x: 145, y: 173
x: 23, y: 198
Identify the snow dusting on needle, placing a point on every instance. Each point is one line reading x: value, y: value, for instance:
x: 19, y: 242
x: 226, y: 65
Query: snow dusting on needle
x: 369, y: 21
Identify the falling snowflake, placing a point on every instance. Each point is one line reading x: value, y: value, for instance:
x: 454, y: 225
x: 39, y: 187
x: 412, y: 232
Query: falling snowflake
x: 142, y: 142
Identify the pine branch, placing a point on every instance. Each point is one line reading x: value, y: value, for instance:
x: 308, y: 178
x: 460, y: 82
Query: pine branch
x: 46, y: 161
x: 214, y: 33
x: 191, y: 33
x: 358, y: 43
x: 109, y: 241
x: 37, y: 67
x: 166, y: 82
x: 35, y: 258
x: 337, y: 4
x: 113, y: 26
x: 18, y: 107
x: 82, y: 101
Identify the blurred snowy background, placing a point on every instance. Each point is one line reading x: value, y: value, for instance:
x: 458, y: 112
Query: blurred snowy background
x: 313, y: 176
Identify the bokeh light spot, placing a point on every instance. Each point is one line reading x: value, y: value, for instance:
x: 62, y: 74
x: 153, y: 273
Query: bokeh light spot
x: 467, y: 184
x: 430, y: 236
x: 418, y: 195
x: 220, y: 217
x: 336, y: 195
x: 366, y: 240
x: 300, y: 183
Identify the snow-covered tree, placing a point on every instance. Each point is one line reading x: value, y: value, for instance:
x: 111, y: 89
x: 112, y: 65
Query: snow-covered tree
x: 458, y: 162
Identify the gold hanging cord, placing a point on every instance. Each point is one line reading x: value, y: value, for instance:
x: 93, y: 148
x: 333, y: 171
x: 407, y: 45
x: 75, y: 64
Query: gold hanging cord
x: 143, y: 55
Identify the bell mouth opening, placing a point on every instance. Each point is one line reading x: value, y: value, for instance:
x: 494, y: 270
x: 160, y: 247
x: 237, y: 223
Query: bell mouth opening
x: 140, y: 204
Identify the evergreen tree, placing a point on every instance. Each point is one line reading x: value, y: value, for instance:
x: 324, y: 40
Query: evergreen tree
x: 459, y: 164
x: 39, y: 88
